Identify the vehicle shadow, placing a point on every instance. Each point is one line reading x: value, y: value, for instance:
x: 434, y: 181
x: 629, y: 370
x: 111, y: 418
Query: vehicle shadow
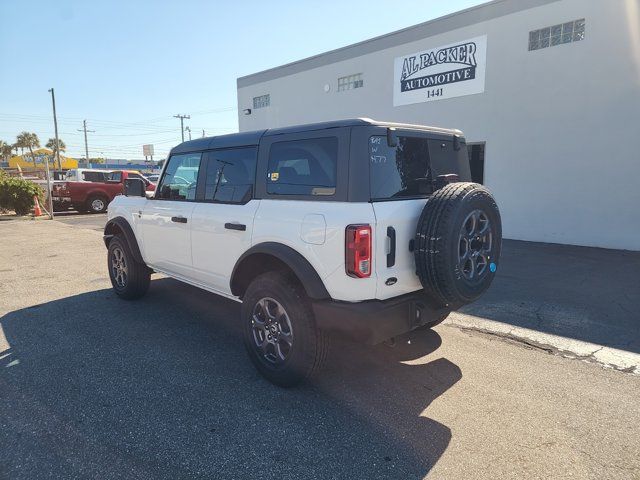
x: 588, y: 294
x: 94, y: 386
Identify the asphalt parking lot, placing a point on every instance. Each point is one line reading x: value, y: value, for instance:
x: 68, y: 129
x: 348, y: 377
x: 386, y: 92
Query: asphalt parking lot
x: 95, y: 387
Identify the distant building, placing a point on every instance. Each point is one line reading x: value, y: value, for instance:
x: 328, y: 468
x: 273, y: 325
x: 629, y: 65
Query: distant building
x: 25, y: 161
x: 547, y: 93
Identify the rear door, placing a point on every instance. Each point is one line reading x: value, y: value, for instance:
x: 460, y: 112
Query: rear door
x: 166, y: 218
x: 222, y: 222
x: 401, y: 179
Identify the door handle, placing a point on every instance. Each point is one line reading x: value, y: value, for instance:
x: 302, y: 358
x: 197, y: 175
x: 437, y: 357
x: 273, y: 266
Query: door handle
x: 235, y: 226
x: 391, y: 256
x: 179, y: 219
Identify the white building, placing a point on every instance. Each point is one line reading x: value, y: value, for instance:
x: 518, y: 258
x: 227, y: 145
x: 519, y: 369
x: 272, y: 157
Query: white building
x: 547, y: 93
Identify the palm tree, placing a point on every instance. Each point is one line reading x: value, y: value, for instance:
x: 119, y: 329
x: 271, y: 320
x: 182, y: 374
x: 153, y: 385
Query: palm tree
x: 51, y: 144
x: 5, y: 150
x: 29, y: 141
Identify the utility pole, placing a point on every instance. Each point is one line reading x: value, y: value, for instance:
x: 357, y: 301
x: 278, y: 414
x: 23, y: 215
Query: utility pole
x: 203, y: 135
x: 86, y: 145
x: 55, y: 126
x: 182, y: 117
x: 188, y: 130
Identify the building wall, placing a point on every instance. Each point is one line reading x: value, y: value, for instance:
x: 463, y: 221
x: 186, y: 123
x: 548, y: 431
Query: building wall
x: 560, y: 123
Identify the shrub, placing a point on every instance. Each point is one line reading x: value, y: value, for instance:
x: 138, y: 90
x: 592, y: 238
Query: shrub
x: 17, y: 194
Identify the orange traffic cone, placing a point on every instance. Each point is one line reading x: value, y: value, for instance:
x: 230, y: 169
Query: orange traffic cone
x: 36, y: 207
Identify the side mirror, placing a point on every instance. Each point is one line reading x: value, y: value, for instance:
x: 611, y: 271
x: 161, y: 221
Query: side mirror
x: 392, y: 137
x: 134, y: 187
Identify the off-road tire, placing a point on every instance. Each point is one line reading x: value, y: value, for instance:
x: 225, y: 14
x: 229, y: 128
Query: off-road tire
x: 437, y: 243
x: 97, y: 204
x: 310, y: 345
x: 137, y: 277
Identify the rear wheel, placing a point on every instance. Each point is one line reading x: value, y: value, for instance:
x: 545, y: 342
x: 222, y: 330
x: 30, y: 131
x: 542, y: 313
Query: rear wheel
x: 97, y: 204
x: 129, y: 279
x: 458, y: 243
x: 279, y: 330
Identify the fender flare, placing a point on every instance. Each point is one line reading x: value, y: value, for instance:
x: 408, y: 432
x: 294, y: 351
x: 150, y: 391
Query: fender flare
x: 122, y: 225
x: 300, y: 266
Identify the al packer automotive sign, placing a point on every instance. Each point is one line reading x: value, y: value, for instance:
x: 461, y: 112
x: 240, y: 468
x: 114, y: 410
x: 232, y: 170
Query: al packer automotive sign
x: 443, y: 72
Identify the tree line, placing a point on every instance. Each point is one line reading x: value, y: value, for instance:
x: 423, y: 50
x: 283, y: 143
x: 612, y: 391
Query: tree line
x: 29, y: 141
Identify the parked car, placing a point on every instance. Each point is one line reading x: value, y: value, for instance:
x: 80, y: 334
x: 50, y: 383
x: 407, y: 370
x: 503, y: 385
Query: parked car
x: 153, y: 178
x: 93, y: 195
x: 361, y: 228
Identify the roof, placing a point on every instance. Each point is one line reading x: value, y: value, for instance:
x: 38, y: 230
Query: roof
x: 244, y: 139
x: 221, y: 141
x: 463, y: 18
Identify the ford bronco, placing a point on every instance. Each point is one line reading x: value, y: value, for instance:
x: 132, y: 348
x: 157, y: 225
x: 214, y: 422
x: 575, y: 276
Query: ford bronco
x: 355, y: 227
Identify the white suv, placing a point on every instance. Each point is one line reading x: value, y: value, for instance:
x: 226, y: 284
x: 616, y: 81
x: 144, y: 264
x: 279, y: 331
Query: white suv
x: 357, y: 227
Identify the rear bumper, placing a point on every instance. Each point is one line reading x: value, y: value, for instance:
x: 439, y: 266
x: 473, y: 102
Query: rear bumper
x: 374, y: 321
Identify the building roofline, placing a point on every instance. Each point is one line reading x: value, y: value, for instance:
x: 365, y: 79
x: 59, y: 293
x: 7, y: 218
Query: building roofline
x: 452, y: 21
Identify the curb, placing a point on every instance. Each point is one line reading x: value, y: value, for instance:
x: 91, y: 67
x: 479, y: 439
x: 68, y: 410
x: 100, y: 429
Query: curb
x: 608, y: 357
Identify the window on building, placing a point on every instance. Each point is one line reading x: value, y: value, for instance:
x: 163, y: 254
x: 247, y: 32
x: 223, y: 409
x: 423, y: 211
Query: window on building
x: 350, y: 82
x: 230, y: 175
x: 262, y: 101
x: 557, y: 35
x: 303, y: 167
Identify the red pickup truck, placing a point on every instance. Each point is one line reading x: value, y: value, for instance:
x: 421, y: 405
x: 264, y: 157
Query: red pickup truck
x: 93, y: 196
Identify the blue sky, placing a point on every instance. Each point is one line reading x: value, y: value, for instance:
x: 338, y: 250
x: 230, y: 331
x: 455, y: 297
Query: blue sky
x: 129, y: 66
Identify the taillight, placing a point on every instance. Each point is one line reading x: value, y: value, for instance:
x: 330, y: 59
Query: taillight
x: 358, y: 251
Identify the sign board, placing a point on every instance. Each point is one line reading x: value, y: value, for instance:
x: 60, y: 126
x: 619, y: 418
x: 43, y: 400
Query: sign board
x: 448, y: 71
x: 147, y: 150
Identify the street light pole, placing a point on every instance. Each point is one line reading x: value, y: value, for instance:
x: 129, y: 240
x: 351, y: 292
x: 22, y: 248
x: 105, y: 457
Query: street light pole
x: 55, y: 126
x: 182, y: 117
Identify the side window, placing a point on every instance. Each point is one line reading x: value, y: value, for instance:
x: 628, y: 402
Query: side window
x: 114, y: 177
x: 180, y: 178
x: 303, y: 167
x: 230, y: 175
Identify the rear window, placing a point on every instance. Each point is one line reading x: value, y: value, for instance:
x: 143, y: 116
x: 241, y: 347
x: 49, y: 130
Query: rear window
x: 402, y: 171
x: 303, y: 167
x: 410, y: 169
x: 93, y: 176
x: 114, y: 176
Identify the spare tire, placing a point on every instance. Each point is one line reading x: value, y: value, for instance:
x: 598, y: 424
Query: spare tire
x: 457, y: 244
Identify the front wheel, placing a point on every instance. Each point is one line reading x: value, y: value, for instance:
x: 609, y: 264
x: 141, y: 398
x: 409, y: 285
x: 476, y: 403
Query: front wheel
x: 279, y: 330
x: 129, y: 279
